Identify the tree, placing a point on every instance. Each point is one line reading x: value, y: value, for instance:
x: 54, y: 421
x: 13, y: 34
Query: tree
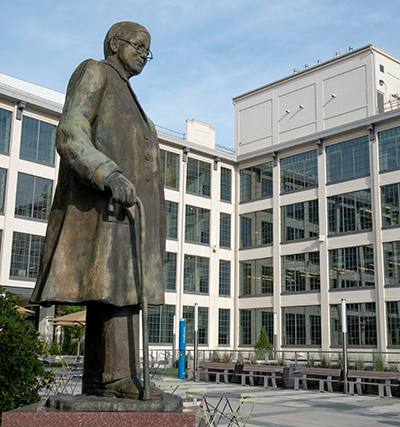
x: 73, y: 335
x: 262, y: 343
x: 22, y: 374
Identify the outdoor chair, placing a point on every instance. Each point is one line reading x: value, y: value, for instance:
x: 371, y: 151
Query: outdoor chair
x: 194, y: 393
x: 245, y: 409
x: 168, y: 385
x: 72, y: 373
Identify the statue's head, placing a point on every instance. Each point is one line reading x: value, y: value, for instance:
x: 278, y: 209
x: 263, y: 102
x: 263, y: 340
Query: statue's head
x: 128, y: 44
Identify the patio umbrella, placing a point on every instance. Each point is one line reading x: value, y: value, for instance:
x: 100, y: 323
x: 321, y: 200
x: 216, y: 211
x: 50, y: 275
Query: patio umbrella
x: 73, y: 319
x: 23, y: 310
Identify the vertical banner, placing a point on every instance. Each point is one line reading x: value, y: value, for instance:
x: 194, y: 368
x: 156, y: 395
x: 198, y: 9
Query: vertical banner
x: 182, y: 348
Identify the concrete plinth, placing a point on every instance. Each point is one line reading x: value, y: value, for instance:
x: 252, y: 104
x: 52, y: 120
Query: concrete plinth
x: 74, y: 411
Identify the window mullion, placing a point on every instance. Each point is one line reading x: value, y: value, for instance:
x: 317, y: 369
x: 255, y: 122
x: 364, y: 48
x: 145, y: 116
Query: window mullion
x: 29, y: 255
x: 37, y: 142
x: 33, y: 196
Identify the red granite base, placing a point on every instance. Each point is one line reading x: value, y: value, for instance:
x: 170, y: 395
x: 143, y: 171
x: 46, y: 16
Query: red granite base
x: 96, y: 419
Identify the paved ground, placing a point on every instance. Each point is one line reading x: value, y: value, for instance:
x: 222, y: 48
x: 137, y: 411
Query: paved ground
x: 289, y: 408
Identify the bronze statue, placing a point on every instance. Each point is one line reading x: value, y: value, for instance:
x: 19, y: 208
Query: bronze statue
x: 109, y: 157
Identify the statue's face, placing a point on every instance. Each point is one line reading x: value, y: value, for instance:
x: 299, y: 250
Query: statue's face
x: 131, y: 60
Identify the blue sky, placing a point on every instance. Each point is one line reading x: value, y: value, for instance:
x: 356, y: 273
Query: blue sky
x: 205, y: 52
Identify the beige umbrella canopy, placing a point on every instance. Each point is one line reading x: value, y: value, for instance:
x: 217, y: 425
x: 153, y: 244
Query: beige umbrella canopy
x: 23, y: 310
x: 73, y: 319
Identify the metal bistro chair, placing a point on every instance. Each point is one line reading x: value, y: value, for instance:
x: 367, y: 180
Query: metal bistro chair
x: 245, y: 409
x: 72, y: 367
x: 194, y: 393
x: 156, y: 368
x: 207, y: 416
x: 168, y: 385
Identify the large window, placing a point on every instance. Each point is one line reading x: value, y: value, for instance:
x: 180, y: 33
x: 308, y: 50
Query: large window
x: 197, y: 226
x: 361, y: 324
x: 37, y: 140
x: 224, y: 326
x: 301, y: 325
x: 188, y: 314
x: 256, y: 228
x: 3, y: 178
x: 390, y: 205
x: 300, y: 272
x: 198, y: 179
x: 391, y: 253
x: 251, y: 322
x: 225, y: 230
x: 300, y: 171
x: 5, y: 127
x: 256, y: 182
x: 393, y: 322
x: 389, y: 149
x: 172, y: 219
x: 300, y: 221
x: 351, y: 267
x: 169, y: 271
x: 196, y: 273
x: 224, y: 278
x: 170, y: 168
x: 347, y: 160
x: 25, y: 255
x: 256, y: 277
x: 350, y: 212
x: 33, y: 199
x: 161, y: 324
x: 226, y: 185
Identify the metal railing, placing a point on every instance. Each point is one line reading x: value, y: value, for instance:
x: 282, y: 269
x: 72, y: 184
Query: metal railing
x: 393, y: 104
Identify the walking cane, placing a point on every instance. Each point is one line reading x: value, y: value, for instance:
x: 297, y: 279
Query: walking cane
x: 146, y: 379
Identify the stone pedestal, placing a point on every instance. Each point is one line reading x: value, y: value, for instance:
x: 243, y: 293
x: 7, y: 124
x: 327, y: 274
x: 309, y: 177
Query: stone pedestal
x: 79, y: 411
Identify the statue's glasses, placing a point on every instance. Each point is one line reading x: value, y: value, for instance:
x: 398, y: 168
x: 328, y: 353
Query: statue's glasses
x: 139, y: 49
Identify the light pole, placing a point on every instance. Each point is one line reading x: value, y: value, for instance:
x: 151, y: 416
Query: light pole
x: 344, y: 337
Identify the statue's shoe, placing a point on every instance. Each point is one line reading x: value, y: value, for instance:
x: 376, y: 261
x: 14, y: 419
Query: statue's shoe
x: 126, y: 388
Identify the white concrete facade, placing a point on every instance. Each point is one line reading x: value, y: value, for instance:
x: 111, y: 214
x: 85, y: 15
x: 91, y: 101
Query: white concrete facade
x: 328, y: 104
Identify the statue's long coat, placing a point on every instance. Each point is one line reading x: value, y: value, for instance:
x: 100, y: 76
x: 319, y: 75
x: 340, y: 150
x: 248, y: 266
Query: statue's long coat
x: 88, y: 254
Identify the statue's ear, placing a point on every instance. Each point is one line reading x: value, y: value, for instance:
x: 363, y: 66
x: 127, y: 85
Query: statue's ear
x: 114, y: 45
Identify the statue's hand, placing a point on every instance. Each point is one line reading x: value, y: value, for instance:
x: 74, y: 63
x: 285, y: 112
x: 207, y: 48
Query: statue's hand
x: 123, y: 191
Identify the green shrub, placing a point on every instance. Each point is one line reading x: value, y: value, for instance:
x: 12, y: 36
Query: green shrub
x: 22, y: 374
x: 55, y: 349
x: 311, y: 361
x: 325, y: 361
x: 263, y: 344
x: 226, y: 358
x: 359, y: 363
x: 216, y: 357
x: 378, y: 362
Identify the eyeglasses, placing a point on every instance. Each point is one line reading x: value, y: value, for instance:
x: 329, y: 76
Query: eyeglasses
x: 139, y: 49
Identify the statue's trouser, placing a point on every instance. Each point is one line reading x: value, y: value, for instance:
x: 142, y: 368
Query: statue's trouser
x: 111, y: 350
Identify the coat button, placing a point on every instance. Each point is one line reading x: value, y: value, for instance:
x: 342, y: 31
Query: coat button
x: 147, y: 137
x: 147, y: 157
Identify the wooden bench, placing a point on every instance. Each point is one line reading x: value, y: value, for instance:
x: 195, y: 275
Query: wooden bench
x: 381, y: 379
x: 260, y: 371
x: 216, y: 368
x: 315, y: 374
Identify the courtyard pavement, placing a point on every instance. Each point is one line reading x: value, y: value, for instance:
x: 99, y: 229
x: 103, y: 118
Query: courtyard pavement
x: 289, y: 408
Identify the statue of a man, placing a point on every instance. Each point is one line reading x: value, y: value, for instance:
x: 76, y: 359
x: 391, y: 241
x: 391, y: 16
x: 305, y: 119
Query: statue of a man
x: 109, y: 156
